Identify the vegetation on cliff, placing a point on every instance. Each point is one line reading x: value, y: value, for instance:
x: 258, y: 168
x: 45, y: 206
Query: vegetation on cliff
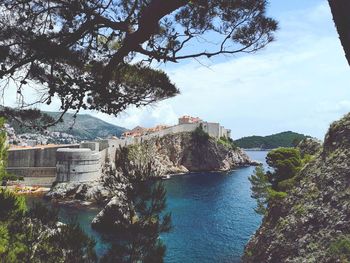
x: 283, y: 139
x: 135, y: 217
x: 4, y: 175
x: 270, y: 186
x: 191, y: 152
x: 311, y: 223
x: 3, y: 150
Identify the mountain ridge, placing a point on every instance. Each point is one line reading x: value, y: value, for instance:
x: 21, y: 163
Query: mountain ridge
x: 282, y: 139
x: 84, y: 126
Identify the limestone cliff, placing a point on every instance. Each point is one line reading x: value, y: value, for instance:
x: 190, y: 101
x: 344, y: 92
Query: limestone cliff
x: 312, y: 224
x: 184, y: 152
x: 171, y: 154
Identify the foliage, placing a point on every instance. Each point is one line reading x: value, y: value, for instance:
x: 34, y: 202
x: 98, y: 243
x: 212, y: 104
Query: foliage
x: 3, y: 150
x: 283, y: 139
x: 26, y: 118
x: 33, y: 235
x: 42, y: 213
x: 340, y: 249
x: 199, y: 135
x: 85, y: 52
x: 227, y: 142
x: 285, y: 162
x: 12, y: 206
x: 139, y: 233
x: 271, y: 186
x: 260, y: 189
x: 4, y: 175
x: 72, y: 245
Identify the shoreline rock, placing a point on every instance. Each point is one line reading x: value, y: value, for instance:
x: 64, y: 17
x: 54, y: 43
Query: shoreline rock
x: 312, y: 224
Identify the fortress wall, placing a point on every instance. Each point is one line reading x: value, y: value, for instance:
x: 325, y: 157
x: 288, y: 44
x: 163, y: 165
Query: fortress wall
x: 34, y: 157
x: 78, y: 165
x: 93, y: 146
x: 41, y: 176
x: 104, y: 156
x: 224, y: 133
x: 33, y: 171
x: 103, y: 144
x: 213, y: 129
x: 186, y: 127
x: 113, y: 145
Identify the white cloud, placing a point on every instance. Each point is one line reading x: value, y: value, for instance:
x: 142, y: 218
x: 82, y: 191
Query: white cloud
x: 161, y: 113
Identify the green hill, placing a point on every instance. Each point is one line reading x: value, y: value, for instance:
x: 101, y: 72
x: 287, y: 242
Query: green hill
x: 283, y: 139
x: 86, y: 127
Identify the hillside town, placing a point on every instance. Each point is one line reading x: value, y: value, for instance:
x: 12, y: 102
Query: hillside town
x: 33, y: 139
x: 38, y: 161
x: 213, y: 129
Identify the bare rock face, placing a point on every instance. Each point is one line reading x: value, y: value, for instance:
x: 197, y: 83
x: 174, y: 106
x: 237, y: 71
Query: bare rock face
x: 90, y: 191
x: 310, y: 146
x: 312, y: 224
x: 171, y: 154
x: 181, y: 153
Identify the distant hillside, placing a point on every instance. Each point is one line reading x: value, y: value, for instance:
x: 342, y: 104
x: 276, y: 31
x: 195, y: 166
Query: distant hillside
x: 86, y: 127
x: 283, y: 139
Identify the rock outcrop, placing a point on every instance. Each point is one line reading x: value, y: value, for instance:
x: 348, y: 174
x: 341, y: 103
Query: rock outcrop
x: 172, y: 154
x: 310, y: 146
x: 183, y: 153
x: 90, y: 191
x: 312, y: 224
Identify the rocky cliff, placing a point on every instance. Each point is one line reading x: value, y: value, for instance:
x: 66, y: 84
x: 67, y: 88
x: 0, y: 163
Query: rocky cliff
x: 312, y: 224
x: 188, y: 152
x: 171, y: 154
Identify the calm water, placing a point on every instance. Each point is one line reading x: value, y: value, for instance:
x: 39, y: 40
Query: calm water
x: 212, y: 215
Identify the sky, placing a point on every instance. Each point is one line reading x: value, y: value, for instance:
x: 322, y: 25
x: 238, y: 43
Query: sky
x: 300, y: 82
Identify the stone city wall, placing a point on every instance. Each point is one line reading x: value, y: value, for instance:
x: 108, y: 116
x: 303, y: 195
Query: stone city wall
x: 43, y: 165
x: 34, y: 157
x: 36, y: 165
x: 78, y: 165
x: 42, y: 176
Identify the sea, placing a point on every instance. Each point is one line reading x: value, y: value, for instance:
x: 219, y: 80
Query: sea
x: 213, y: 216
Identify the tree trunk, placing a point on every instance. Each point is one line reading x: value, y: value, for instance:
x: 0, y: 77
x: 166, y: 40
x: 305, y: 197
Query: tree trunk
x: 341, y: 15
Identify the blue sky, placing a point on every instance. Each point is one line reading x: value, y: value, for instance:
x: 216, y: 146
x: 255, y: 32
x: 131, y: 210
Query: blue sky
x: 300, y: 82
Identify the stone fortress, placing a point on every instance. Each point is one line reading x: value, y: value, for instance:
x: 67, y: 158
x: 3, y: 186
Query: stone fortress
x: 42, y: 165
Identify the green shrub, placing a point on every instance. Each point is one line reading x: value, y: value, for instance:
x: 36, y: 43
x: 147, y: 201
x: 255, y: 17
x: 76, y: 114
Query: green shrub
x: 286, y: 185
x: 259, y: 186
x: 227, y: 142
x: 199, y: 135
x: 286, y: 163
x: 276, y: 195
x: 300, y: 210
x: 340, y: 249
x: 11, y: 205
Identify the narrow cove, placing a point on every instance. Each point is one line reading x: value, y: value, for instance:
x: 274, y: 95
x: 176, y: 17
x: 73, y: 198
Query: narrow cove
x: 212, y: 216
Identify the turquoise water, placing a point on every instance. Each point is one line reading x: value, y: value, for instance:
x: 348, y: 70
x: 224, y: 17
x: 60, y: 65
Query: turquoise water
x: 212, y: 215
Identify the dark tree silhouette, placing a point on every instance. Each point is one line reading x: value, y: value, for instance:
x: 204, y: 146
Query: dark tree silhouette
x: 96, y: 54
x: 341, y: 15
x: 135, y: 225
